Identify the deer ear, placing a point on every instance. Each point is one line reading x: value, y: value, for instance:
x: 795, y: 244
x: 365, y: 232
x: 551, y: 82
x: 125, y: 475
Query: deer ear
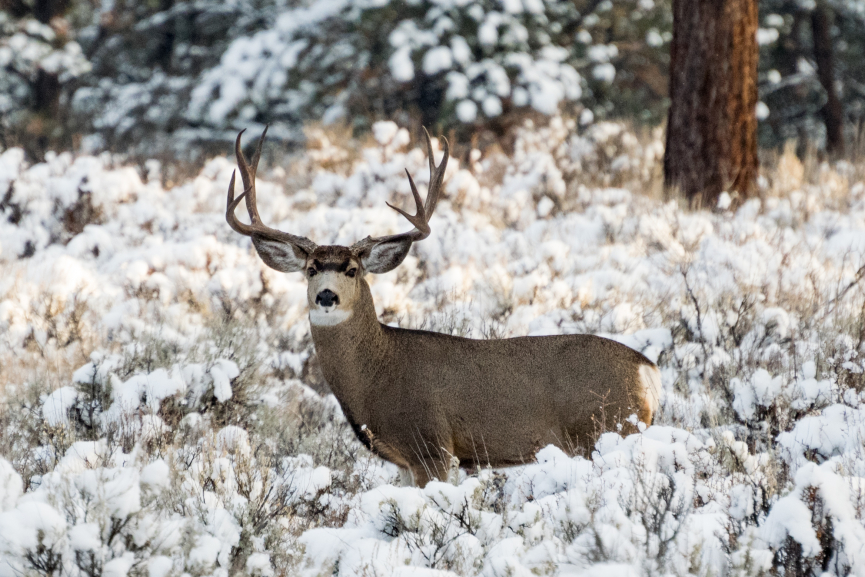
x: 281, y: 256
x: 385, y: 256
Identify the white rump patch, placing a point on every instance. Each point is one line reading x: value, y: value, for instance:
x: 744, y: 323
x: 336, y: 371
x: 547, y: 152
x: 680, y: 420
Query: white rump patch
x: 323, y: 318
x: 651, y: 378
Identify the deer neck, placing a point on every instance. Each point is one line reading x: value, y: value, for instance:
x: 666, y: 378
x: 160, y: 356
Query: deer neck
x: 352, y: 355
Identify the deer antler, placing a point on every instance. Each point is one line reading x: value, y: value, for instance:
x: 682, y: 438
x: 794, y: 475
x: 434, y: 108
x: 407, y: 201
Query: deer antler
x: 423, y: 211
x: 256, y: 230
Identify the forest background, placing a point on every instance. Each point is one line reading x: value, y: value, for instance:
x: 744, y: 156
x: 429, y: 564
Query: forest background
x: 177, y: 80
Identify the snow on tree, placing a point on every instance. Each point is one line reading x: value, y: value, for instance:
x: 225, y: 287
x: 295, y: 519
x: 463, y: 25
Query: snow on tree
x: 38, y: 59
x: 176, y: 79
x: 812, y: 76
x: 449, y: 60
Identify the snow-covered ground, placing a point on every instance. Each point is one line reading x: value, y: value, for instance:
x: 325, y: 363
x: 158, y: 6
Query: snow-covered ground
x: 163, y: 414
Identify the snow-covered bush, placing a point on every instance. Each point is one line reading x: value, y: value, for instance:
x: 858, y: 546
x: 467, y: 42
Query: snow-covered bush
x: 162, y: 410
x: 29, y: 48
x: 147, y: 59
x: 455, y: 62
x: 176, y: 80
x: 791, y: 93
x: 38, y: 59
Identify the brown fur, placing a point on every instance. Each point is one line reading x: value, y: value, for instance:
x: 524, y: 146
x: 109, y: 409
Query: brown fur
x: 419, y: 398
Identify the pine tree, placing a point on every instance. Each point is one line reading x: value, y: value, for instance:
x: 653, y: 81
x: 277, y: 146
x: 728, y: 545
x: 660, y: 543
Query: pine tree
x: 712, y: 127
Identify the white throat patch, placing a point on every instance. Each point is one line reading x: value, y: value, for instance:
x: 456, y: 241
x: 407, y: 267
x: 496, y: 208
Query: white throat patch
x: 324, y: 318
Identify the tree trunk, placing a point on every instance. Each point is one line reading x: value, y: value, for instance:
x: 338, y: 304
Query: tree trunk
x: 712, y: 126
x: 45, y: 10
x: 45, y: 90
x: 46, y: 87
x: 46, y: 94
x: 833, y: 111
x: 165, y: 47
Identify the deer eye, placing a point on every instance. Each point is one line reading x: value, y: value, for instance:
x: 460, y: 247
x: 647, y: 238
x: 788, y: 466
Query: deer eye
x: 311, y: 271
x: 351, y: 272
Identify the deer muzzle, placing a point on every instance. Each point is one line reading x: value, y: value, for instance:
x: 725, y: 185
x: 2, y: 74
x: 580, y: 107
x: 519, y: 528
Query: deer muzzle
x: 327, y: 298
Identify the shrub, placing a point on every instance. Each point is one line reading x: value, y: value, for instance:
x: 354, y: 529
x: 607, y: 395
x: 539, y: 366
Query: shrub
x: 484, y: 65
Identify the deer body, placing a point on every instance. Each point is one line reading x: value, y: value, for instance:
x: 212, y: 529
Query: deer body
x: 421, y: 399
x: 482, y: 401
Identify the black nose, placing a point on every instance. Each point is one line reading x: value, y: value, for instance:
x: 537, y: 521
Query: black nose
x: 327, y: 298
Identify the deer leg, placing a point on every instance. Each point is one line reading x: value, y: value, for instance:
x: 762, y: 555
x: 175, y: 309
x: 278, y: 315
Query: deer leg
x: 442, y: 466
x: 406, y: 478
x: 422, y: 475
x: 453, y: 470
x: 430, y: 470
x: 431, y: 455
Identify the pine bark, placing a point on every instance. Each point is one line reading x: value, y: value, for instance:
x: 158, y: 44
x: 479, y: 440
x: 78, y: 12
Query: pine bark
x: 45, y: 10
x: 712, y: 126
x: 46, y: 87
x: 833, y: 110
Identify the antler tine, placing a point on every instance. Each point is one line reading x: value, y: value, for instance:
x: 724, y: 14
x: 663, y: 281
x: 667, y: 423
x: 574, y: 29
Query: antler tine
x: 231, y: 204
x: 436, y: 173
x: 423, y: 210
x: 257, y: 155
x: 419, y: 220
x: 247, y: 174
x: 256, y: 228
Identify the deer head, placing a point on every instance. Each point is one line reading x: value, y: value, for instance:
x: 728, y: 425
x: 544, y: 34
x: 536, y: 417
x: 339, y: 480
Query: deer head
x: 334, y: 273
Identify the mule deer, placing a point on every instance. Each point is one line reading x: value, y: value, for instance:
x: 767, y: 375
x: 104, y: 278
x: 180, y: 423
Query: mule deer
x: 422, y: 399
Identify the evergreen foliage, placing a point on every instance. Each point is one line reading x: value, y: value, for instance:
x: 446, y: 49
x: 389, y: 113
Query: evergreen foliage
x: 176, y: 79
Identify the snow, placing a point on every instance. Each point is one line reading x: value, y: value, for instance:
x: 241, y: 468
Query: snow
x: 437, y: 59
x: 767, y: 36
x: 175, y: 404
x: 222, y: 372
x: 10, y: 485
x: 259, y: 564
x: 56, y: 406
x: 384, y: 132
x: 205, y: 551
x: 605, y: 72
x: 791, y: 515
x: 159, y: 566
x: 602, y: 53
x: 467, y: 111
x: 156, y: 475
x: 119, y: 566
x: 153, y: 387
x: 401, y: 65
x: 233, y: 440
x: 29, y: 524
x: 654, y: 38
x: 85, y: 537
x: 492, y: 106
x: 460, y: 50
x: 774, y: 20
x: 504, y: 49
